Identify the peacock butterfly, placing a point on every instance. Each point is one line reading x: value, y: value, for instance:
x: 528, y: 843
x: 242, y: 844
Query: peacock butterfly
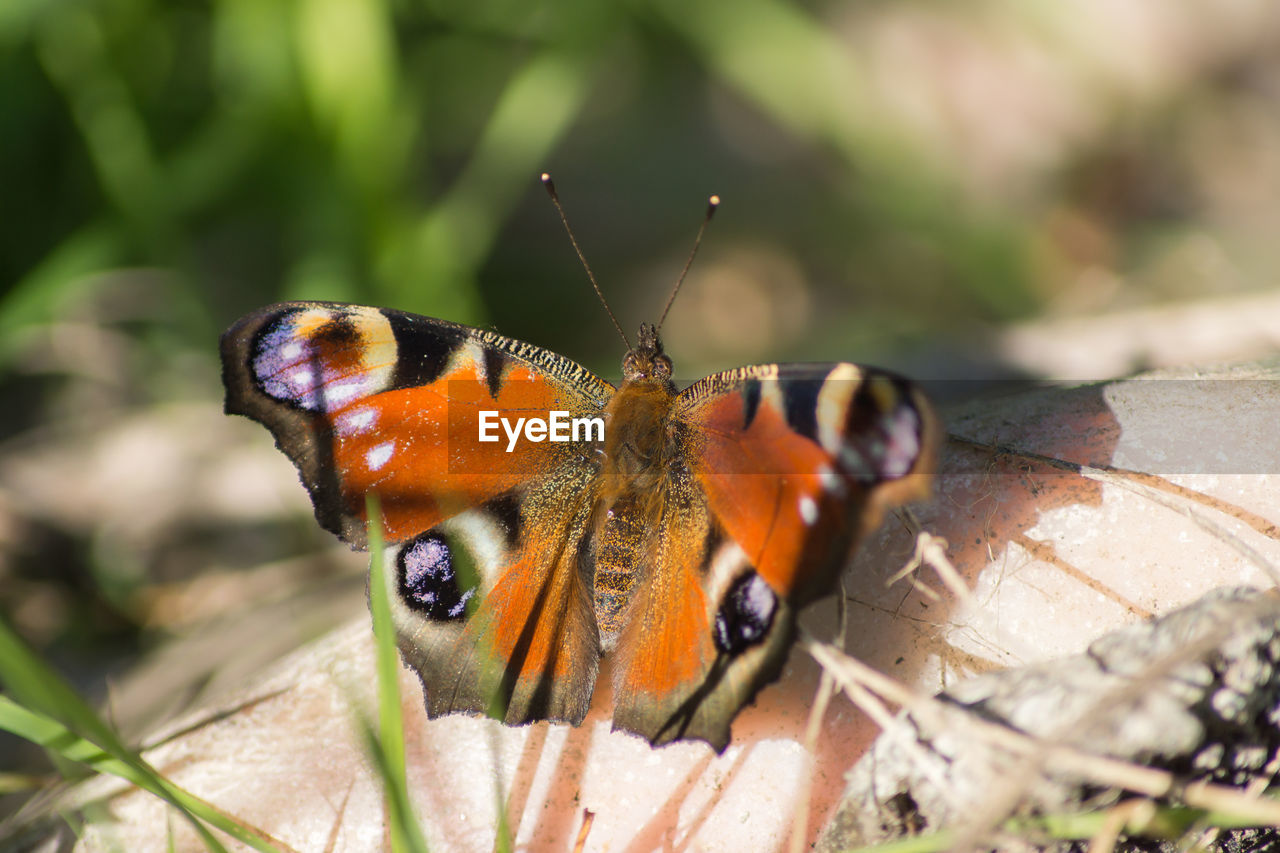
x: 537, y: 517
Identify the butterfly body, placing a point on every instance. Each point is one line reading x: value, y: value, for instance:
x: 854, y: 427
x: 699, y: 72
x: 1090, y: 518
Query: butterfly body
x: 682, y: 542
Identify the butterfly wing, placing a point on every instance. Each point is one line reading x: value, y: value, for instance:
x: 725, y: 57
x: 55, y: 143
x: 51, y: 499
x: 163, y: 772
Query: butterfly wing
x: 783, y: 469
x: 797, y: 458
x: 492, y: 610
x: 364, y: 399
x: 489, y: 604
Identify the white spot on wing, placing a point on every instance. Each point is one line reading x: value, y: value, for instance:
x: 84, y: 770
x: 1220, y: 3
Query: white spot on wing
x: 355, y: 421
x: 291, y: 351
x: 808, y: 511
x: 338, y: 394
x: 379, y: 455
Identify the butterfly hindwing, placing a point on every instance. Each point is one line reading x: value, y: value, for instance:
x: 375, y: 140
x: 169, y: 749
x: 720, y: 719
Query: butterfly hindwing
x: 702, y: 631
x: 492, y: 610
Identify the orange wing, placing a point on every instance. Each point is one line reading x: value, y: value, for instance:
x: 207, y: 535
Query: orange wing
x: 799, y: 461
x: 784, y: 468
x: 370, y: 399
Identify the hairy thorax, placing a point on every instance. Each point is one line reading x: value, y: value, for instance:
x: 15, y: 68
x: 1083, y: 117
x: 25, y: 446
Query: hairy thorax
x: 638, y: 436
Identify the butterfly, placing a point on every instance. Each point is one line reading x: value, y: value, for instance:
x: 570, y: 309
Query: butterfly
x: 538, y: 517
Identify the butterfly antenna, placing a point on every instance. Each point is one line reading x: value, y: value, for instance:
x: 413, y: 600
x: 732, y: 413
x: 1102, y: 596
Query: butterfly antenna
x: 712, y: 204
x: 555, y: 199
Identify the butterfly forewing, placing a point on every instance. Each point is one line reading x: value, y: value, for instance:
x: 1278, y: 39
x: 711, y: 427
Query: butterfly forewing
x: 798, y: 460
x: 370, y: 399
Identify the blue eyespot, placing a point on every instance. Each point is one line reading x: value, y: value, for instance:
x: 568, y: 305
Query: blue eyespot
x: 745, y: 615
x: 429, y: 581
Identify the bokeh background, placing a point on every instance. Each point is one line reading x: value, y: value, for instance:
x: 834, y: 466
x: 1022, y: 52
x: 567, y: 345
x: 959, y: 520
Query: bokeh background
x: 959, y: 190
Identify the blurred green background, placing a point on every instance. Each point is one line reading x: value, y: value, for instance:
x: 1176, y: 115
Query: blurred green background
x: 917, y: 184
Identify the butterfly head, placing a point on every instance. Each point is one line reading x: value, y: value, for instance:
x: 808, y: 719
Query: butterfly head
x: 646, y: 362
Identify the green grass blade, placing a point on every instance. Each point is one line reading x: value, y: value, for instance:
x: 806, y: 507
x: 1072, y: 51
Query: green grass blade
x: 406, y: 835
x: 20, y: 783
x: 426, y: 264
x: 934, y: 842
x: 34, y: 685
x: 387, y: 747
x: 502, y: 842
x: 43, y: 709
x: 52, y: 735
x: 64, y: 274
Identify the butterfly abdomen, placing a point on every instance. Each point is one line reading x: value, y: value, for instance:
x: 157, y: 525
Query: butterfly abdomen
x: 615, y: 549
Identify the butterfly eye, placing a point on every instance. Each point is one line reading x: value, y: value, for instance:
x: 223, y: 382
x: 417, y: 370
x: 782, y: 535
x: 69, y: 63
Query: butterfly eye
x: 662, y: 367
x: 632, y: 366
x: 430, y: 580
x: 745, y: 615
